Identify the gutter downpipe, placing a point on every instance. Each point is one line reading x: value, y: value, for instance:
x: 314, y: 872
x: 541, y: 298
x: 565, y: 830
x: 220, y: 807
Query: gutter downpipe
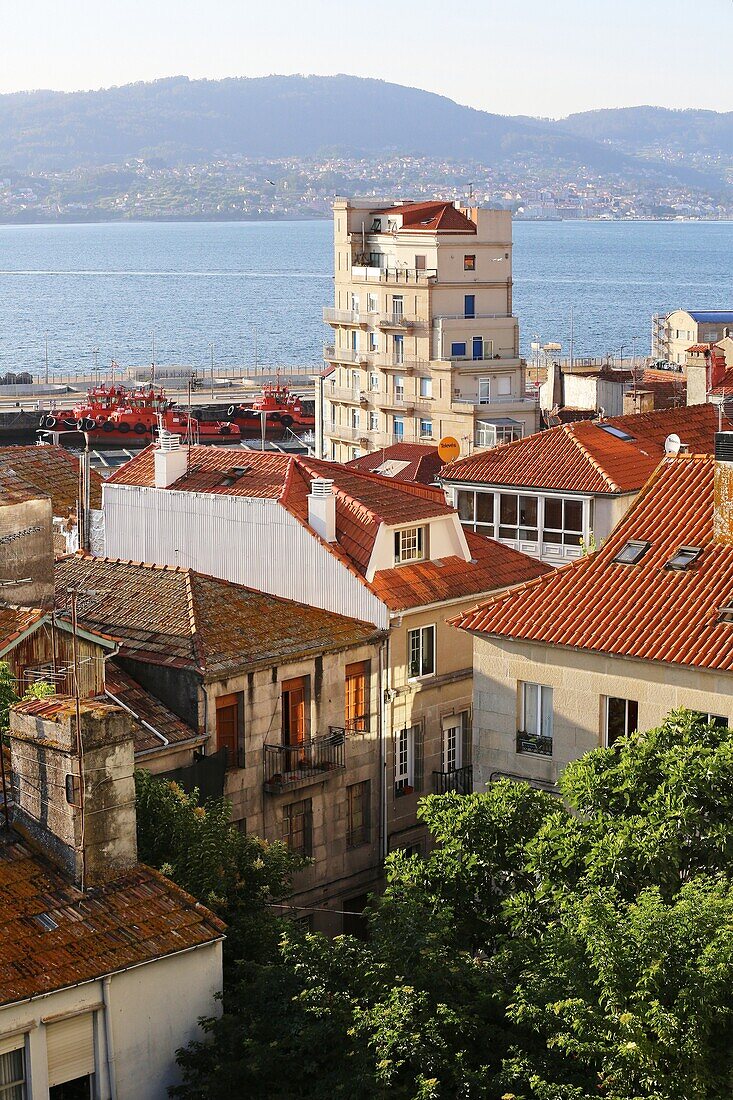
x: 108, y: 1039
x: 384, y: 657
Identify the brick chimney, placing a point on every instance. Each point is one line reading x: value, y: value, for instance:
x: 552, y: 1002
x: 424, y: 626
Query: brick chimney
x: 91, y: 838
x: 723, y: 510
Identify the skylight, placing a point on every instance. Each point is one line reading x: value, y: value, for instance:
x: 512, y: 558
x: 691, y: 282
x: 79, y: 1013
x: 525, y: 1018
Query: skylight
x: 632, y: 552
x: 617, y: 433
x: 684, y: 557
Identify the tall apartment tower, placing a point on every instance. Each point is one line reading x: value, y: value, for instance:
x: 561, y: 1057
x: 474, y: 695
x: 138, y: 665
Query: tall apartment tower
x: 424, y: 340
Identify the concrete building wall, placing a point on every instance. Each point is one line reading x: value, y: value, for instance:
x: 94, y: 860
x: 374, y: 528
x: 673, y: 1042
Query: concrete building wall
x: 581, y: 682
x: 26, y: 552
x: 153, y: 1010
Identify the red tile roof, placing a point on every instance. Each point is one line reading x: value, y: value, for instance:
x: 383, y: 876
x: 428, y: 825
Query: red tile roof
x: 363, y: 500
x: 53, y: 472
x: 431, y: 217
x: 724, y: 388
x: 147, y: 711
x: 402, y: 462
x: 14, y: 622
x: 643, y: 611
x: 172, y: 616
x: 137, y: 918
x: 493, y: 566
x: 585, y: 458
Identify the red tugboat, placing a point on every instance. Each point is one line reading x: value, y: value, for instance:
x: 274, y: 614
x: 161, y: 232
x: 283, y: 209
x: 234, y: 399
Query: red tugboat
x: 114, y: 414
x: 281, y: 408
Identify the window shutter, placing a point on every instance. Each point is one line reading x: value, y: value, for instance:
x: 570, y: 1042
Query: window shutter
x: 467, y: 742
x: 70, y: 1049
x: 418, y: 757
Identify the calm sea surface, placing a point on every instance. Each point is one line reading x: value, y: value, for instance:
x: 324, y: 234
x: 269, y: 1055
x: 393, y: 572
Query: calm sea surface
x: 257, y: 288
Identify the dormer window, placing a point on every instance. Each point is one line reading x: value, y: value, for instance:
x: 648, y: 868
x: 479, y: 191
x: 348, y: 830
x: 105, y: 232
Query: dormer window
x: 632, y: 552
x: 409, y: 545
x: 684, y: 557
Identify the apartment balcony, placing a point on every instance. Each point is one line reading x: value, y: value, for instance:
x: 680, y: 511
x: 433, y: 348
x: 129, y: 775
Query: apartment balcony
x: 347, y: 317
x: 404, y: 276
x: 353, y: 395
x: 459, y: 780
x: 471, y: 403
x: 398, y: 321
x: 334, y: 354
x: 363, y: 436
x: 401, y: 366
x: 488, y: 357
x: 290, y: 766
x: 476, y: 317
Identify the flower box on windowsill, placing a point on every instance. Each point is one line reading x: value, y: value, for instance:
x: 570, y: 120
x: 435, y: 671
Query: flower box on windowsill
x: 400, y: 792
x: 534, y: 745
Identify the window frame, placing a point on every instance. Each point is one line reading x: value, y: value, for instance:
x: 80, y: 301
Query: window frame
x: 469, y: 310
x: 358, y: 832
x: 231, y: 701
x: 420, y: 544
x: 640, y: 544
x: 630, y: 725
x: 426, y: 428
x: 7, y: 1089
x: 469, y: 262
x: 690, y: 554
x: 356, y: 697
x: 288, y: 817
x: 542, y: 727
x: 417, y: 650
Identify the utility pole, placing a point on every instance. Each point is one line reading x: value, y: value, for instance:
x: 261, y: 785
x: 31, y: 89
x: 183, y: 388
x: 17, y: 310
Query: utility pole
x: 152, y: 363
x: 621, y: 356
x: 46, y: 343
x: 211, y: 348
x: 572, y: 339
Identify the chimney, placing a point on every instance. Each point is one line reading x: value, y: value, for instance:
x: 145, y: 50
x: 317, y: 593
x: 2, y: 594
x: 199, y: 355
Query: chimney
x: 79, y: 812
x: 171, y: 459
x: 723, y: 509
x: 322, y: 508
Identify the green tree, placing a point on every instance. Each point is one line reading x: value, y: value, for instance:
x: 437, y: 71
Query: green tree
x: 545, y: 949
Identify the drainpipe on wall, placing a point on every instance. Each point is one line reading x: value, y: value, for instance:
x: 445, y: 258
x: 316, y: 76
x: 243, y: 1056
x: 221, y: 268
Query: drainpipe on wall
x: 108, y: 1038
x: 383, y: 704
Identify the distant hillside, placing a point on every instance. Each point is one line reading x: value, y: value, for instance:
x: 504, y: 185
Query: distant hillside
x: 179, y: 120
x: 639, y: 129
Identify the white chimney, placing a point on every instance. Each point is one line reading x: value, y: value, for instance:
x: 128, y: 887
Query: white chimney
x: 171, y: 460
x: 322, y: 508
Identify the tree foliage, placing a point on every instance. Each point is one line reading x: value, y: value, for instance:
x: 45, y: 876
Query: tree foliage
x: 545, y: 949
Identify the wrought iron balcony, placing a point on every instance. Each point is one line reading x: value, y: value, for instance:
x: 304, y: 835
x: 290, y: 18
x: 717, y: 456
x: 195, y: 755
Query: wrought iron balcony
x: 290, y: 766
x: 459, y: 780
x: 397, y: 320
x: 537, y: 745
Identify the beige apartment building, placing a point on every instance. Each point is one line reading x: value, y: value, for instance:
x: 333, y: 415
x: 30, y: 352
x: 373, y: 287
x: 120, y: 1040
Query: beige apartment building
x: 614, y: 642
x: 425, y: 343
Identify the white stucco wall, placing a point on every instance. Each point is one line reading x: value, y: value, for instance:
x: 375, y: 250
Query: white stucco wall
x: 154, y: 1010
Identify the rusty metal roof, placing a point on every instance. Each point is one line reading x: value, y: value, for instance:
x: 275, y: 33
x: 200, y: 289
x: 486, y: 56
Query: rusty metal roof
x: 52, y: 472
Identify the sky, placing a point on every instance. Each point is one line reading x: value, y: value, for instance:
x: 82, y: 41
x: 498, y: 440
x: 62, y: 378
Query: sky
x: 537, y: 57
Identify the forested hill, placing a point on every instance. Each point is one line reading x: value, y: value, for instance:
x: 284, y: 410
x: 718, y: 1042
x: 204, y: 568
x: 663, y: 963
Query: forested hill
x: 182, y: 121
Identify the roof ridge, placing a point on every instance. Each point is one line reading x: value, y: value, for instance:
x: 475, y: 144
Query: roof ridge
x: 589, y: 457
x: 196, y: 639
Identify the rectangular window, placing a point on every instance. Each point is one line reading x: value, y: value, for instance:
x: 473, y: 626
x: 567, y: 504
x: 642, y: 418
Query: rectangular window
x: 717, y: 720
x: 563, y: 521
x: 294, y: 726
x: 356, y: 702
x: 518, y: 518
x: 622, y: 718
x: 535, y: 734
x: 373, y: 380
x: 354, y: 414
x: 358, y: 806
x: 484, y: 391
x: 476, y: 510
x: 426, y: 429
x: 399, y: 387
x: 12, y: 1075
x: 376, y: 259
x: 453, y: 744
x: 504, y: 385
x: 354, y: 303
x: 404, y: 758
x: 371, y: 304
x: 398, y: 306
x: 229, y: 715
x: 409, y: 545
x: 373, y: 341
x: 398, y: 349
x: 426, y: 387
x: 458, y: 349
x: 373, y: 422
x: 420, y: 263
x: 297, y: 830
x: 398, y: 427
x: 421, y: 652
x: 469, y: 305
x: 469, y: 263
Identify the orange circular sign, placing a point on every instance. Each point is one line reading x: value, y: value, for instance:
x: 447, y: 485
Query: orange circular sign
x: 449, y: 448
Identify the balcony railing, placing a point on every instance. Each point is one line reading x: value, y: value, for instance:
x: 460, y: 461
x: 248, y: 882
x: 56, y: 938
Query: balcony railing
x: 289, y: 766
x: 397, y: 320
x: 354, y: 435
x: 459, y: 780
x: 344, y: 393
x: 333, y: 354
x: 392, y: 276
x: 536, y: 745
x: 345, y: 317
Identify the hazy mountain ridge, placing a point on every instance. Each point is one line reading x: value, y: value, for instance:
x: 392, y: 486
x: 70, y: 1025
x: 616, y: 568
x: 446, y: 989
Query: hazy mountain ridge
x: 180, y: 120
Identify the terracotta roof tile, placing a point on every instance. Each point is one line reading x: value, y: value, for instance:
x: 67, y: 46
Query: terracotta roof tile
x: 431, y: 217
x: 14, y: 621
x: 645, y: 610
x: 134, y: 919
x: 147, y: 711
x: 402, y: 462
x: 584, y: 457
x: 178, y: 617
x: 53, y: 472
x: 493, y: 566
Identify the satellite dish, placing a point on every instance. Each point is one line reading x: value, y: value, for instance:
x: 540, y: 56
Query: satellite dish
x: 672, y: 444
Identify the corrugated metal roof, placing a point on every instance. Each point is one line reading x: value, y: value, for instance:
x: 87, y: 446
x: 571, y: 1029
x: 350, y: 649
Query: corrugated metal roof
x: 711, y: 316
